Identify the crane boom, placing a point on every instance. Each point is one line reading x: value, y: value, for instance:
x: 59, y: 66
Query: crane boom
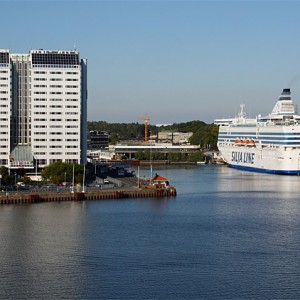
x: 146, y: 119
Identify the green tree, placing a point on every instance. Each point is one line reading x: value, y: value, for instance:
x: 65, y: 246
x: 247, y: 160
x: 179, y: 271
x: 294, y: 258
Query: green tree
x: 57, y: 172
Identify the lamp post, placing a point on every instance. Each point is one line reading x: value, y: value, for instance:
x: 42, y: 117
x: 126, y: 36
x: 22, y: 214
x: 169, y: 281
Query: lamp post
x: 72, y: 191
x: 83, y: 180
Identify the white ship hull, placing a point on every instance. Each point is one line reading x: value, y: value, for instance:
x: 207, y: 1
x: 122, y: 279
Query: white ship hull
x: 272, y: 160
x: 270, y: 144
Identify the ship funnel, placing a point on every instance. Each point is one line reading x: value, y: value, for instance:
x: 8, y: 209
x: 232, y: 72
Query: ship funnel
x: 285, y: 95
x: 286, y: 92
x: 284, y: 105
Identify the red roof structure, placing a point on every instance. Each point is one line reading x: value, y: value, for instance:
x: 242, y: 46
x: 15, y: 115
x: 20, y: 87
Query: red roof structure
x: 158, y: 178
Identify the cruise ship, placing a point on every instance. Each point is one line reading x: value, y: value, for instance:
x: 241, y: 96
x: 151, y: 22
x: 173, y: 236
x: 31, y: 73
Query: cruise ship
x: 269, y: 144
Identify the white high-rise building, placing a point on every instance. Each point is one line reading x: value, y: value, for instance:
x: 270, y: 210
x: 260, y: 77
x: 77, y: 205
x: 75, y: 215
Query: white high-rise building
x: 43, y: 108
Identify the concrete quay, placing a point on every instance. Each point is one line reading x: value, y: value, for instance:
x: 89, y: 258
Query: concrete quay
x: 23, y: 198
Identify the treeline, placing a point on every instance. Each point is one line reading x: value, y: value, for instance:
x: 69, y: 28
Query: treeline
x: 121, y: 131
x: 203, y: 134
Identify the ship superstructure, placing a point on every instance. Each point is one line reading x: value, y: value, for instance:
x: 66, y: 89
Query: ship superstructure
x: 268, y: 144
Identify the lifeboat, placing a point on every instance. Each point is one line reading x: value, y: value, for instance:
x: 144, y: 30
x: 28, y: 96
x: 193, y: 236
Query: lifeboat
x: 250, y: 143
x: 238, y: 142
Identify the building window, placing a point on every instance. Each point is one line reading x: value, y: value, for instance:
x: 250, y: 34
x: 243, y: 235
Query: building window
x: 55, y: 113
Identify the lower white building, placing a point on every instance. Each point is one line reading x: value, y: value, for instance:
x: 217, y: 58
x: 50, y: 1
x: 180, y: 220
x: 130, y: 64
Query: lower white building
x: 43, y: 108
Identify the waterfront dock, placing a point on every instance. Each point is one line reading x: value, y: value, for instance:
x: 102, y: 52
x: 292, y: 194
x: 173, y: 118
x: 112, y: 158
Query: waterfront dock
x: 22, y: 198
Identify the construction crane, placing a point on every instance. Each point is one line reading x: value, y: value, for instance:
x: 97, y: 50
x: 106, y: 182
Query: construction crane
x: 146, y: 119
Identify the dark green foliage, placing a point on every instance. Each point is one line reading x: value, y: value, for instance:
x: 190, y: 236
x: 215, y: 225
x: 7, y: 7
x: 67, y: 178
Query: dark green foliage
x: 204, y: 134
x: 56, y: 172
x: 122, y: 131
x: 6, y: 179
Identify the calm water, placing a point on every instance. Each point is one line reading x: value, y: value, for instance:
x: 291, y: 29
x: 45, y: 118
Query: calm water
x: 227, y: 235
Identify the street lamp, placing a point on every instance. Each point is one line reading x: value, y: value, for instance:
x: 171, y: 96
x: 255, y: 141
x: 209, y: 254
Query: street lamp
x: 72, y: 191
x: 83, y: 180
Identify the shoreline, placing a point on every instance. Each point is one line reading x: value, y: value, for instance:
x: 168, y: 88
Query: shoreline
x: 22, y: 198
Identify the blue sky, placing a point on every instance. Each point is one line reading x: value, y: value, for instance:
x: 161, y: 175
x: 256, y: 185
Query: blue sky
x: 178, y: 61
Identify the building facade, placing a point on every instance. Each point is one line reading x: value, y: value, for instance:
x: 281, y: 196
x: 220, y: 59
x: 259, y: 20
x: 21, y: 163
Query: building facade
x: 98, y: 140
x: 43, y: 108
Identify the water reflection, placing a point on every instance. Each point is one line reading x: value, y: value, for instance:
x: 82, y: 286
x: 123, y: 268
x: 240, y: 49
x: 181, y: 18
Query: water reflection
x: 227, y: 235
x: 39, y: 247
